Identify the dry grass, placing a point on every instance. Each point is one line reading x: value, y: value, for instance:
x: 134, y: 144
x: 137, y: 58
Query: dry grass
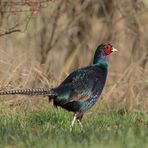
x: 66, y: 38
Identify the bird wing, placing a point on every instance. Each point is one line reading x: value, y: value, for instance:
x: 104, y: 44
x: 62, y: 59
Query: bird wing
x: 83, y: 90
x: 80, y: 84
x: 75, y: 74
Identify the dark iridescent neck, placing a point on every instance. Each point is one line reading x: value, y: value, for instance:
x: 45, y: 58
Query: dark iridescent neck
x: 100, y: 58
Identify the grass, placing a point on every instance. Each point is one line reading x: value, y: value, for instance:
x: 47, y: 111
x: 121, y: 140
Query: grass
x: 49, y: 127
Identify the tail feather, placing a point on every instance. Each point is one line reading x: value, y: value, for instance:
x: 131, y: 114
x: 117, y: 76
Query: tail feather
x: 34, y: 91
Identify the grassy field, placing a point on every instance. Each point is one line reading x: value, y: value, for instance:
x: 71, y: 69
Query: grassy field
x: 49, y: 127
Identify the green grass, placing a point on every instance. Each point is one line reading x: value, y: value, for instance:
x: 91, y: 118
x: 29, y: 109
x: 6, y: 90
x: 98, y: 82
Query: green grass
x: 50, y: 128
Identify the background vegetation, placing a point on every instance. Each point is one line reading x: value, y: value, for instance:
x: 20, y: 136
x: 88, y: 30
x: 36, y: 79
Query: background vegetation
x: 41, y: 42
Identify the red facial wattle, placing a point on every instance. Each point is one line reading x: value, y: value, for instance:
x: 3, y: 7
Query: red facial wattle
x: 108, y: 49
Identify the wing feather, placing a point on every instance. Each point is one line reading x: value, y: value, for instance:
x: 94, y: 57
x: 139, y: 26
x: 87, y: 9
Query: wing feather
x: 81, y: 84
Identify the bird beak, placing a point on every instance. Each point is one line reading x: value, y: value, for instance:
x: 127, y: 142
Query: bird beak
x: 113, y: 49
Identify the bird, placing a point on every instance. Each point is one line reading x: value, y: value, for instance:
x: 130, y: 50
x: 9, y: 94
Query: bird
x: 81, y: 89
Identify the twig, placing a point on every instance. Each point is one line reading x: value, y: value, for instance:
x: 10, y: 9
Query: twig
x: 9, y: 32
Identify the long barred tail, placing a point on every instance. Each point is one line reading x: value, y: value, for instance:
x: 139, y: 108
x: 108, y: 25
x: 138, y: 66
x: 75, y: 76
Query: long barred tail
x: 34, y: 91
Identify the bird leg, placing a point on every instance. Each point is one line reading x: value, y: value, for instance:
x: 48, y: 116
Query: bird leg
x: 77, y: 117
x: 81, y: 126
x: 73, y: 122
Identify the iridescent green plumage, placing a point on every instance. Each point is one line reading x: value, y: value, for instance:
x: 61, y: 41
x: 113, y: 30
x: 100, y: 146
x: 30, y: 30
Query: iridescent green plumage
x: 81, y: 89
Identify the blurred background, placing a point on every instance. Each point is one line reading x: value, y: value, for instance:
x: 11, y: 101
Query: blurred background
x: 42, y: 41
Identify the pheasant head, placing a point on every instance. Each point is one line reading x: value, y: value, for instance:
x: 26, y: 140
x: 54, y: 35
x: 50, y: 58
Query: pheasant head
x: 102, y: 53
